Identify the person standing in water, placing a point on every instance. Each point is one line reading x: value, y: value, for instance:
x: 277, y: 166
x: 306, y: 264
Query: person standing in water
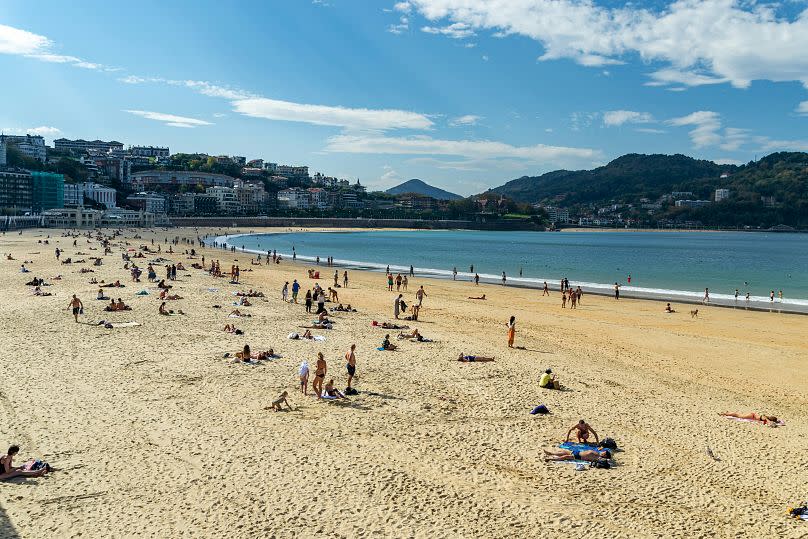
x: 504, y: 278
x: 454, y: 273
x: 476, y: 279
x: 616, y: 291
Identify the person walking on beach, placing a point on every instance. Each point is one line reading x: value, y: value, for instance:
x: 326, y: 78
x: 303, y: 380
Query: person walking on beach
x: 295, y: 290
x: 319, y: 375
x: 398, y: 282
x: 454, y: 273
x: 476, y: 279
x: 345, y: 279
x: 350, y: 358
x: 736, y: 294
x: 77, y: 307
x: 397, y: 306
x: 579, y: 294
x: 771, y: 296
x: 420, y: 295
x: 320, y: 301
x: 412, y: 271
x: 706, y: 296
x: 285, y: 291
x: 546, y: 291
x: 511, y: 331
x: 616, y: 291
x: 504, y: 278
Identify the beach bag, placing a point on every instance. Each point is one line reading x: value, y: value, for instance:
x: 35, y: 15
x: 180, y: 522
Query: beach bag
x: 604, y: 464
x: 608, y: 443
x: 540, y: 409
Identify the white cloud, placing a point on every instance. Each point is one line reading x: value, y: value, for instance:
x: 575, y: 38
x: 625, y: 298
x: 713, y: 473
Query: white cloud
x: 706, y: 127
x: 171, y: 120
x: 44, y: 131
x: 726, y: 161
x: 24, y: 43
x: 802, y: 108
x: 613, y: 118
x: 363, y: 119
x: 472, y: 149
x: 456, y: 30
x: 404, y: 7
x: 650, y: 131
x: 696, y: 41
x: 485, y: 57
x: 468, y: 119
x: 402, y: 26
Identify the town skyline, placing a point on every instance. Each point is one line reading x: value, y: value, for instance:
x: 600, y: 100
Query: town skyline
x: 464, y: 99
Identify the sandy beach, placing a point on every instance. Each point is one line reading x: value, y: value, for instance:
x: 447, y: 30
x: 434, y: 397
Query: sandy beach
x: 155, y: 434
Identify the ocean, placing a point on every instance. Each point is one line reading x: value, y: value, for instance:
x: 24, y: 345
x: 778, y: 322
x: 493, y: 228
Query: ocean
x: 673, y: 266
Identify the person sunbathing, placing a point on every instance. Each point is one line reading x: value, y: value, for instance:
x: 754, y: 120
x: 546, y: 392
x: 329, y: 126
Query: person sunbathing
x: 480, y: 297
x: 112, y: 307
x: 582, y: 432
x: 474, y: 359
x: 121, y: 306
x: 322, y: 318
x: 388, y: 325
x: 277, y: 403
x: 339, y: 308
x: 752, y: 416
x: 330, y: 391
x: 163, y: 310
x: 589, y: 455
x: 244, y: 302
x: 38, y: 292
x: 387, y: 345
x: 239, y: 314
x: 307, y: 335
x: 92, y: 281
x: 180, y: 266
x: 412, y: 335
x: 8, y: 470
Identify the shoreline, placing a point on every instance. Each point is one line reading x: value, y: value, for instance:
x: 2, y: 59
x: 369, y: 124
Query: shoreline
x: 758, y: 304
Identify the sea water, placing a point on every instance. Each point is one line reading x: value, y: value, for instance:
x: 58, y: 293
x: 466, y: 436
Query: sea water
x: 673, y: 266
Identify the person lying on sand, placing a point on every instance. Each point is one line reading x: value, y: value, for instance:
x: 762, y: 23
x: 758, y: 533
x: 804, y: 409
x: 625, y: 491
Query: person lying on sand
x: 277, y: 404
x: 239, y: 314
x: 589, y: 455
x: 481, y: 297
x: 388, y: 325
x: 233, y: 329
x: 752, y: 416
x: 38, y: 292
x: 412, y: 335
x: 473, y: 359
x: 8, y: 470
x: 331, y: 391
x: 582, y: 432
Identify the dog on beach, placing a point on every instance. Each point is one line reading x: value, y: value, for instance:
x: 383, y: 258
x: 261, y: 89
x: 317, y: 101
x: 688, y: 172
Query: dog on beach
x: 694, y: 314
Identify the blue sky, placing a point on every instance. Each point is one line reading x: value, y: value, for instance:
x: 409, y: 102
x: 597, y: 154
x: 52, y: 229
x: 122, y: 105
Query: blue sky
x: 464, y: 94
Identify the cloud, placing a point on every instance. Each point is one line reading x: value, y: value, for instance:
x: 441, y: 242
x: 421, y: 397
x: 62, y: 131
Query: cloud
x: 802, y: 108
x: 44, y: 131
x: 350, y: 118
x: 19, y: 42
x: 456, y: 30
x: 402, y: 26
x: 404, y: 7
x: 696, y: 42
x: 171, y: 120
x: 468, y: 119
x: 650, y: 131
x: 726, y: 161
x: 613, y: 118
x: 472, y: 149
x: 707, y: 125
x: 485, y: 57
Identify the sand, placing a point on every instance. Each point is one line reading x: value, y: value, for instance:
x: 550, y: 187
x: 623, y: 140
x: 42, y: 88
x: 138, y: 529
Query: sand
x: 156, y: 434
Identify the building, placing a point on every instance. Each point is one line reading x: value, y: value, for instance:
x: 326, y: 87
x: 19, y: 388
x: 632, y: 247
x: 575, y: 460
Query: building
x: 297, y: 172
x: 416, y: 202
x: 769, y: 202
x: 121, y: 218
x: 270, y: 167
x: 80, y: 145
x: 318, y: 198
x: 149, y: 151
x: 252, y: 198
x: 557, y: 215
x: 150, y: 202
x: 256, y: 163
x: 692, y: 203
x: 117, y: 168
x: 226, y: 199
x: 15, y: 191
x: 252, y: 171
x: 721, y: 194
x: 72, y: 218
x: 294, y: 198
x: 239, y: 160
x: 47, y: 191
x: 101, y: 194
x: 74, y: 195
x: 32, y: 146
x: 3, y: 154
x: 142, y: 181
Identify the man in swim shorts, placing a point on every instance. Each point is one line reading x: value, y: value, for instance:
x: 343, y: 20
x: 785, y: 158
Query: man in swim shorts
x: 583, y: 430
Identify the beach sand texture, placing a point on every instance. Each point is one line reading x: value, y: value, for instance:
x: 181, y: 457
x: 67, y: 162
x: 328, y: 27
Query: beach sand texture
x: 156, y: 435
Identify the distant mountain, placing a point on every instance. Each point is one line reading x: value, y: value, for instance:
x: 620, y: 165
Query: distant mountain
x: 417, y: 186
x: 631, y: 176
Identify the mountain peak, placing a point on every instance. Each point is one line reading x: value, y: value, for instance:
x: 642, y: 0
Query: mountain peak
x: 422, y: 188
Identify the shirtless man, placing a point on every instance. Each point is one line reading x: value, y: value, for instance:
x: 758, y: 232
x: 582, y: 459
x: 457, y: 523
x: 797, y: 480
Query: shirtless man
x: 589, y: 455
x: 77, y: 306
x: 583, y: 430
x: 546, y: 291
x: 278, y: 403
x: 319, y: 375
x: 420, y: 295
x: 350, y: 357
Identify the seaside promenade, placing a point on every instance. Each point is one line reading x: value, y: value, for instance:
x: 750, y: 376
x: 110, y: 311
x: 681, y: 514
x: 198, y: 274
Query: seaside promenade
x: 155, y: 433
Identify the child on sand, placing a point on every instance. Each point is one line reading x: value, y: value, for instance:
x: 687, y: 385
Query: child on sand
x: 277, y: 404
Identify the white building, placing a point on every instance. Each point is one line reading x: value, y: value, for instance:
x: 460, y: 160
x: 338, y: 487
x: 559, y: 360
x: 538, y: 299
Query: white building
x: 294, y: 198
x: 149, y: 151
x: 721, y: 194
x: 286, y: 170
x: 692, y: 203
x: 251, y: 197
x: 226, y: 199
x: 318, y: 198
x: 141, y: 181
x: 557, y: 215
x: 80, y: 145
x: 151, y: 202
x: 76, y: 192
x: 32, y: 146
x: 2, y: 154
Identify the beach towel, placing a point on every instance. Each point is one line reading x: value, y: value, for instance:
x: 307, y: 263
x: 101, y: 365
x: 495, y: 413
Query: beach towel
x: 110, y: 325
x: 574, y: 446
x: 142, y: 293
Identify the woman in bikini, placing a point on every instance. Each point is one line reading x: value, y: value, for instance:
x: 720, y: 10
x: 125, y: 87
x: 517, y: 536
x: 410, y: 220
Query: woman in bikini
x: 589, y: 455
x: 319, y: 375
x: 752, y: 416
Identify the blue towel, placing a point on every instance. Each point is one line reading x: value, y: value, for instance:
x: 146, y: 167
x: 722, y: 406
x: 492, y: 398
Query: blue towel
x: 573, y: 446
x: 381, y: 348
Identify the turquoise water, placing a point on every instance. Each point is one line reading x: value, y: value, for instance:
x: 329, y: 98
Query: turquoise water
x: 676, y: 265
